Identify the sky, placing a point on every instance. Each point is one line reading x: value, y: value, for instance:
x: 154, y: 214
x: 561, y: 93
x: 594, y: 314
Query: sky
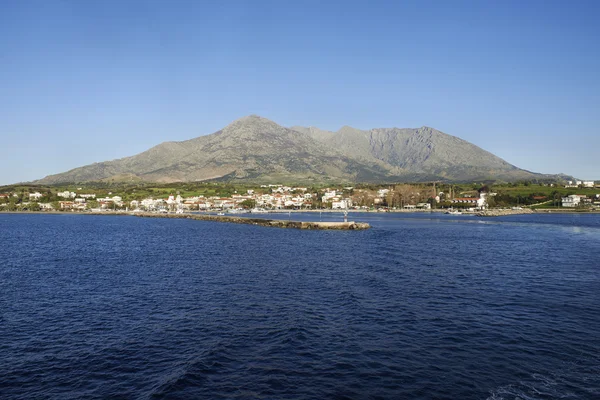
x: 91, y: 81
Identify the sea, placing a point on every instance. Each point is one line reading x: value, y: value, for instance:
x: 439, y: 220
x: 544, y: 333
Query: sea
x: 420, y: 306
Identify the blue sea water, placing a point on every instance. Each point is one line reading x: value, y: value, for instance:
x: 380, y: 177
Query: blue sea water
x: 421, y: 306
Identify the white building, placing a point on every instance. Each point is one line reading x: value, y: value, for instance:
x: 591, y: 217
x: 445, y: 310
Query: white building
x: 35, y: 196
x: 328, y: 195
x: 571, y: 201
x: 382, y: 192
x: 341, y: 204
x: 482, y: 200
x: 66, y: 194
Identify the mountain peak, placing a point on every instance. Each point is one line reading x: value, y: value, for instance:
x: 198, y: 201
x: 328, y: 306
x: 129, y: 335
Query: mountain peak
x: 251, y: 117
x: 251, y: 122
x: 347, y: 128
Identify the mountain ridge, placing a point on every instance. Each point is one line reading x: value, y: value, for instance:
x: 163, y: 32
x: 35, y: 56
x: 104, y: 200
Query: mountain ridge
x: 256, y: 148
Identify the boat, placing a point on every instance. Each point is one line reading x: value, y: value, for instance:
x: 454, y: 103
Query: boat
x: 221, y: 213
x: 258, y: 211
x: 454, y: 212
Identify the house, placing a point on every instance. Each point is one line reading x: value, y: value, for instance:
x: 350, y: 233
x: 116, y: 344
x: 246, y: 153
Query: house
x: 105, y: 204
x: 425, y: 206
x: 328, y: 195
x: 479, y: 202
x: 147, y: 203
x: 465, y: 200
x: 572, y: 200
x: 584, y: 199
x: 382, y: 192
x: 35, y: 196
x: 46, y: 206
x: 66, y: 205
x: 341, y: 204
x: 203, y: 205
x: 66, y: 194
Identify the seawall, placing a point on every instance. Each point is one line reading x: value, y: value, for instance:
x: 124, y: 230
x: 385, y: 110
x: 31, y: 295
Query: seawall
x: 500, y: 213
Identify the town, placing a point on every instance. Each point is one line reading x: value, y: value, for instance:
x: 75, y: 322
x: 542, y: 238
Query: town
x: 579, y: 195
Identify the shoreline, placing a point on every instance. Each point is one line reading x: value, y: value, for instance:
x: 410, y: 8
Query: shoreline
x: 229, y: 217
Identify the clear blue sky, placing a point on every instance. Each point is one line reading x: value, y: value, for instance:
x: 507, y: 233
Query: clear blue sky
x: 87, y: 81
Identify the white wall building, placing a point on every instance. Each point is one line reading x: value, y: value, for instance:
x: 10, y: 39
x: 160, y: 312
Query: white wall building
x: 66, y: 194
x: 382, y: 192
x: 571, y: 201
x: 328, y: 195
x: 341, y: 204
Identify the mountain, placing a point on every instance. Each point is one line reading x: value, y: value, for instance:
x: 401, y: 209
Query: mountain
x: 421, y: 151
x: 249, y: 148
x: 257, y: 149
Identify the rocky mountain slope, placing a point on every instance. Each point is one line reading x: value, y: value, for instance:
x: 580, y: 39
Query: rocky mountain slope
x: 249, y: 148
x: 422, y: 150
x: 255, y: 148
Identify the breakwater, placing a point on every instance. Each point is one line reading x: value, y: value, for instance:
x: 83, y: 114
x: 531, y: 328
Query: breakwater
x: 500, y: 213
x: 272, y: 223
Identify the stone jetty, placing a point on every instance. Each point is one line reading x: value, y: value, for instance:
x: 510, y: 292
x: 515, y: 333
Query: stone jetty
x: 273, y: 223
x: 500, y: 212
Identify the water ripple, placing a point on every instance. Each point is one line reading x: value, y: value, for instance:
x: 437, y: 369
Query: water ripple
x: 419, y: 307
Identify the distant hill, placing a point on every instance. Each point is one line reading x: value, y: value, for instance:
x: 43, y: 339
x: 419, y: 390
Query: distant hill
x: 257, y: 149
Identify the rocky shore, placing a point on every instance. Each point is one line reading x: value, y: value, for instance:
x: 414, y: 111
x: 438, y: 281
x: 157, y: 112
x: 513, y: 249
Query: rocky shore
x: 273, y: 223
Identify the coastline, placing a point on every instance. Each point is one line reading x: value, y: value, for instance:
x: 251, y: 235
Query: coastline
x: 208, y: 214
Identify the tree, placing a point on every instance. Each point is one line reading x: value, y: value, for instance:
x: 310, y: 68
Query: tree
x: 34, y: 207
x: 248, y: 203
